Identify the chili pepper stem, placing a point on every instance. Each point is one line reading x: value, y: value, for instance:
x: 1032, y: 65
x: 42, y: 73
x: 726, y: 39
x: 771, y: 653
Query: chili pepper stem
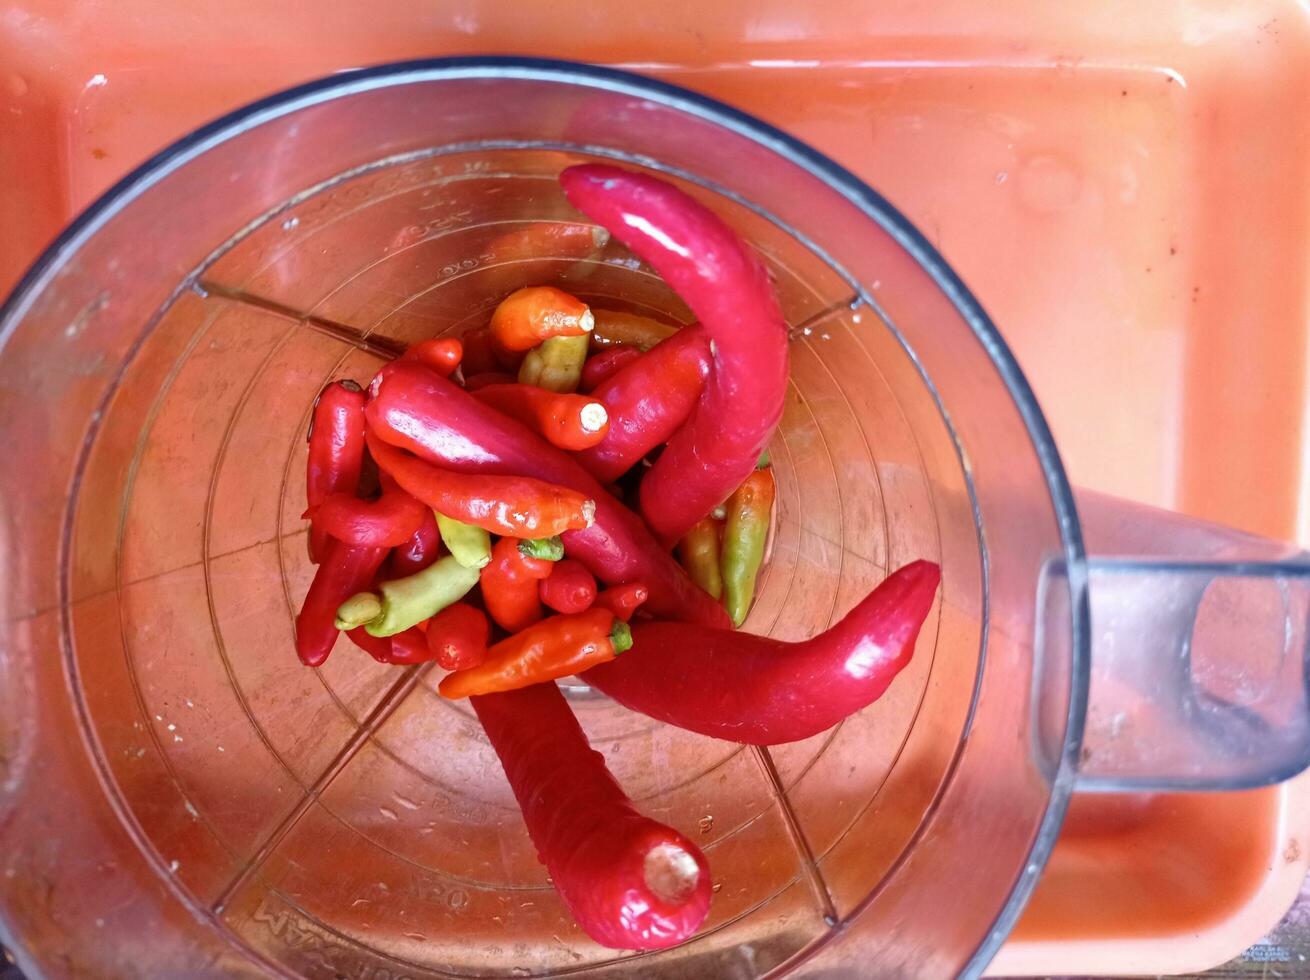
x: 358, y: 610
x: 551, y: 549
x: 621, y: 637
x: 670, y: 872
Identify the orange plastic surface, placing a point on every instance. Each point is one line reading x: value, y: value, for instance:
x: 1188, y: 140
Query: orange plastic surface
x: 1125, y: 186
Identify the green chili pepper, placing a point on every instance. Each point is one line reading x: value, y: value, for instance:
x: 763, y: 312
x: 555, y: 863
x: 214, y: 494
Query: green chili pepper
x: 556, y: 364
x: 745, y: 532
x: 406, y: 602
x: 763, y: 461
x: 698, y: 553
x: 470, y: 546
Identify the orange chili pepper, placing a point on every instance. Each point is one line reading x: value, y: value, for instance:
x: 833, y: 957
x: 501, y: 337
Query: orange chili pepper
x: 442, y: 354
x: 613, y: 327
x: 553, y: 648
x: 529, y: 316
x: 622, y: 600
x: 564, y: 420
x: 509, y: 582
x: 516, y: 506
x: 533, y: 253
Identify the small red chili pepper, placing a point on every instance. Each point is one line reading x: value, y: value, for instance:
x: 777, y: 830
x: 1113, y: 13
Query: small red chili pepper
x: 479, y: 353
x: 517, y: 506
x: 648, y: 400
x: 613, y: 328
x: 407, y: 647
x: 457, y: 637
x: 565, y: 420
x: 601, y: 367
x: 344, y: 571
x: 441, y: 354
x: 420, y: 551
x: 530, y: 316
x: 728, y: 289
x: 336, y: 452
x: 630, y: 882
x: 545, y: 651
x: 509, y: 585
x: 623, y: 600
x: 387, y: 522
x: 488, y: 378
x: 444, y: 424
x: 760, y: 691
x: 569, y: 588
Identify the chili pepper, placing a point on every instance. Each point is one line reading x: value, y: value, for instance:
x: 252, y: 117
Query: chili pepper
x: 444, y: 424
x: 569, y: 588
x: 534, y: 314
x: 405, y: 602
x: 344, y: 570
x: 470, y: 545
x: 457, y: 637
x: 648, y: 400
x: 488, y: 378
x: 420, y: 551
x: 728, y: 290
x: 745, y: 532
x: 532, y: 253
x: 545, y: 651
x: 479, y: 353
x: 601, y: 367
x: 699, y: 553
x: 406, y: 647
x: 613, y: 327
x: 517, y: 506
x: 509, y: 584
x: 441, y: 354
x: 566, y: 421
x: 623, y: 600
x: 387, y: 522
x: 629, y: 882
x: 761, y: 691
x: 336, y: 452
x: 764, y: 460
x: 556, y: 365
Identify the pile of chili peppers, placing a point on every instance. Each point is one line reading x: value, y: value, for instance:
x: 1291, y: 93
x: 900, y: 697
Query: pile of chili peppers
x: 570, y: 491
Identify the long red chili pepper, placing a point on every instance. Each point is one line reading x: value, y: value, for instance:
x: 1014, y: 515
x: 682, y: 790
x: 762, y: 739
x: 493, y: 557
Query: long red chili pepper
x: 336, y: 452
x: 518, y: 506
x: 457, y: 637
x: 441, y: 354
x: 407, y: 647
x: 509, y: 585
x: 728, y: 290
x: 412, y: 408
x: 601, y: 367
x: 344, y: 571
x: 569, y: 588
x: 421, y: 549
x: 565, y: 420
x: 623, y: 600
x: 759, y: 691
x: 387, y: 522
x: 630, y: 882
x: 648, y: 400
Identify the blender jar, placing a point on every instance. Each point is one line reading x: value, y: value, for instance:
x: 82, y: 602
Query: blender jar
x: 180, y: 796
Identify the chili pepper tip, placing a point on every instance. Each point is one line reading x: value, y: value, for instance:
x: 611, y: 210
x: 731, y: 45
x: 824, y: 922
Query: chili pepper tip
x: 621, y: 637
x: 359, y: 609
x: 589, y: 512
x: 548, y: 549
x: 763, y: 461
x: 593, y: 417
x: 600, y: 236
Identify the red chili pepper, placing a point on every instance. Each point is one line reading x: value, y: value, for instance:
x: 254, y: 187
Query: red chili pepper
x: 457, y: 636
x: 417, y: 553
x: 336, y: 452
x: 441, y: 354
x: 488, y: 378
x: 509, y: 585
x: 648, y: 400
x: 479, y: 353
x: 760, y: 691
x: 414, y: 409
x: 532, y: 315
x: 728, y: 290
x: 387, y: 522
x: 344, y: 571
x: 623, y: 600
x: 569, y: 588
x: 630, y: 882
x: 565, y: 420
x: 601, y: 367
x: 532, y: 253
x: 518, y: 506
x: 407, y: 647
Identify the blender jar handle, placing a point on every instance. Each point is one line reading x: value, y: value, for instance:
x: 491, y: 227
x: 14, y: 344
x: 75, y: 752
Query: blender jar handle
x: 1198, y: 668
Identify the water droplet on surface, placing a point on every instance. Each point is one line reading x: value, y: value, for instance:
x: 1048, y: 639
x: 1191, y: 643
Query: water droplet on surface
x: 290, y: 223
x: 717, y: 887
x: 387, y: 812
x: 706, y: 823
x: 407, y: 803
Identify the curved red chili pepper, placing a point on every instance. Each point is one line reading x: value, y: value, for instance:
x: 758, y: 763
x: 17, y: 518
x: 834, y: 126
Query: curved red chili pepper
x: 406, y: 647
x: 601, y: 367
x: 344, y: 571
x: 569, y: 588
x: 439, y: 421
x: 760, y: 691
x: 509, y: 585
x: 336, y: 452
x: 728, y: 290
x: 630, y: 882
x: 623, y: 600
x: 457, y: 637
x: 387, y: 522
x: 441, y: 354
x: 421, y: 549
x: 648, y: 400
